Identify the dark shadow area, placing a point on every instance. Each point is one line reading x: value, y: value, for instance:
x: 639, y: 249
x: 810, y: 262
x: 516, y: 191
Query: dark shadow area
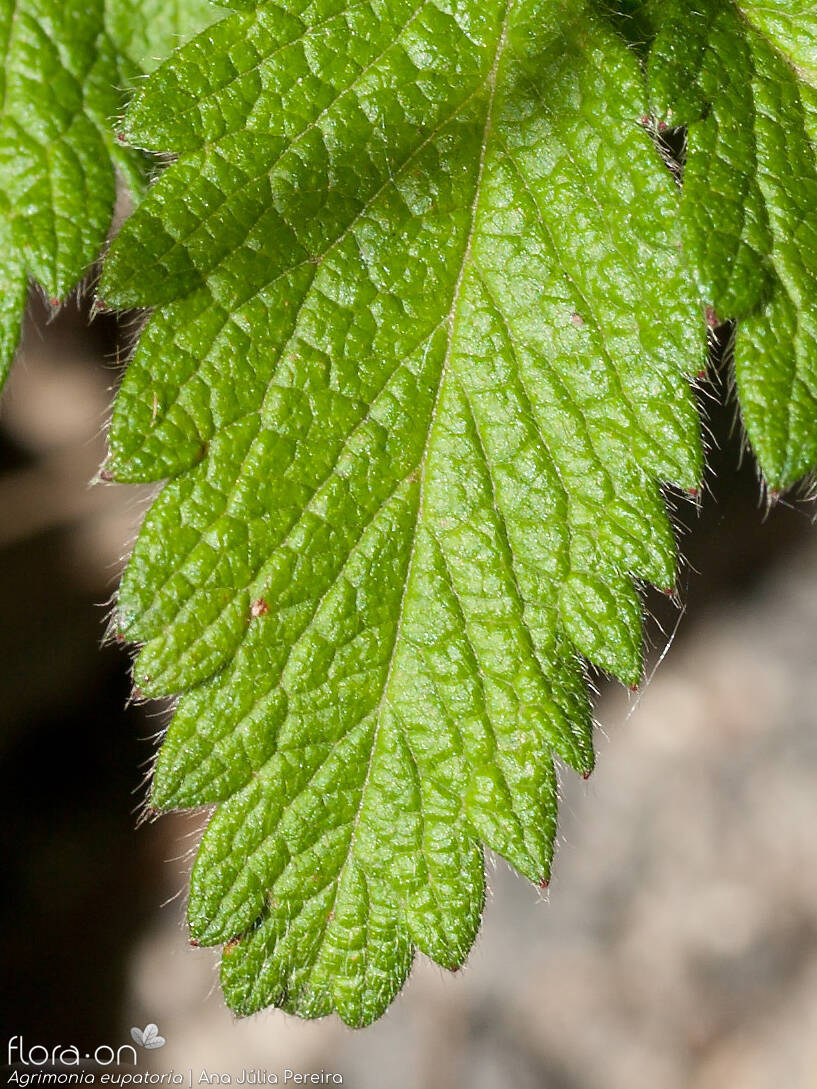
x: 76, y: 876
x: 731, y: 535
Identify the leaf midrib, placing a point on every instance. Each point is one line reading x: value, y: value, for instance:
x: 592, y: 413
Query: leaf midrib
x: 490, y: 86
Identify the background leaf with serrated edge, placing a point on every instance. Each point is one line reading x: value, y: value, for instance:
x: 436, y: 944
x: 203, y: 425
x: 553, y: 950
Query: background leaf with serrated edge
x: 418, y: 366
x: 64, y: 69
x: 749, y: 206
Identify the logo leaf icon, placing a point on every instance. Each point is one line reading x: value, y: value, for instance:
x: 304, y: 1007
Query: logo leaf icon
x: 148, y: 1037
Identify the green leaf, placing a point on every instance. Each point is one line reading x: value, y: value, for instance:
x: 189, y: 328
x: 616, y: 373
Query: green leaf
x: 737, y: 76
x: 146, y: 31
x: 418, y: 367
x: 790, y: 26
x: 634, y: 20
x: 61, y: 87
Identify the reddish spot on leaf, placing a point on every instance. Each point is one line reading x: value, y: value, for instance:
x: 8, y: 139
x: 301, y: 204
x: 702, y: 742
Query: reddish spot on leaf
x: 259, y: 607
x: 712, y: 319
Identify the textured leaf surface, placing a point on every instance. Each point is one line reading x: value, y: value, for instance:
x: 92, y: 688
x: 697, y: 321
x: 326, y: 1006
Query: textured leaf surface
x: 791, y: 26
x: 736, y: 77
x: 145, y: 31
x: 63, y: 73
x: 418, y: 378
